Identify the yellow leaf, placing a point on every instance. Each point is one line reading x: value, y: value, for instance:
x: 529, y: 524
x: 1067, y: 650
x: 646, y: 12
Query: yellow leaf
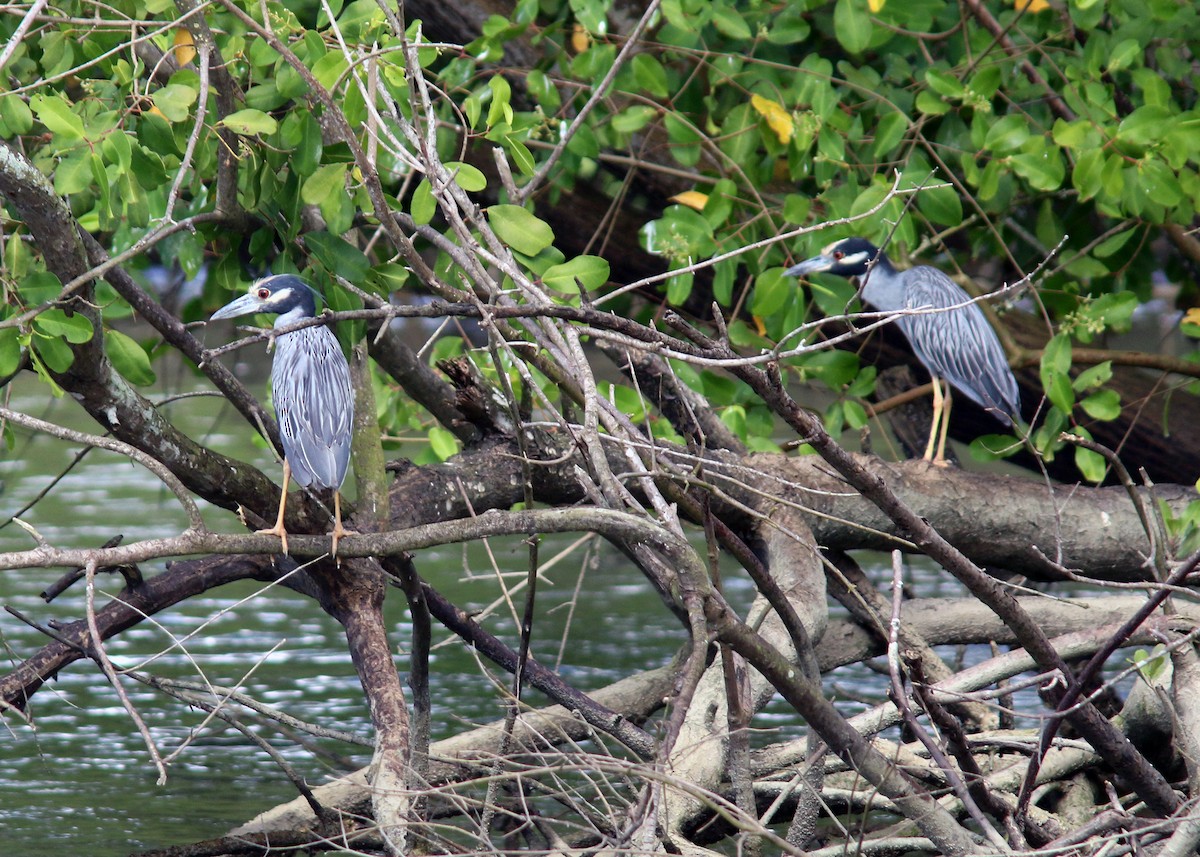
x: 779, y: 120
x: 185, y: 48
x: 691, y: 198
x: 1031, y: 5
x: 580, y: 40
x: 877, y: 5
x: 1192, y: 316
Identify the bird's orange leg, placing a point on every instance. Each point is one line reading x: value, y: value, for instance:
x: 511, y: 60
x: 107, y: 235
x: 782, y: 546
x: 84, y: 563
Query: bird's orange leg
x: 338, y: 529
x: 938, y: 403
x: 278, y: 529
x: 940, y: 458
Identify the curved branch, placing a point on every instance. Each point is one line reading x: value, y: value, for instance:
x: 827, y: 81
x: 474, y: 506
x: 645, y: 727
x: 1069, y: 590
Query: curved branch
x: 195, y: 521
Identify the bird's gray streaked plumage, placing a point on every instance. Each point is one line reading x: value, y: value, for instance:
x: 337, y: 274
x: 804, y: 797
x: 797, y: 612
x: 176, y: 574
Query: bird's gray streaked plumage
x: 958, y: 344
x: 310, y: 382
x: 311, y: 388
x: 310, y: 385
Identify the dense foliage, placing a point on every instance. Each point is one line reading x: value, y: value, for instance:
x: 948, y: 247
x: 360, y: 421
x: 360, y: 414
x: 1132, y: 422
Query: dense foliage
x: 1027, y: 128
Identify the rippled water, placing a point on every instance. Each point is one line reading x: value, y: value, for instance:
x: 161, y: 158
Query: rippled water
x: 80, y: 780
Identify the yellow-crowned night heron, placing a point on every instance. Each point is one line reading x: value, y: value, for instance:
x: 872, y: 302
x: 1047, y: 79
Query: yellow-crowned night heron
x: 310, y: 385
x: 955, y: 344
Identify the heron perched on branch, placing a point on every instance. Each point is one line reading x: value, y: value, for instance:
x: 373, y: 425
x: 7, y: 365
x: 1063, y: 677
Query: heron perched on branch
x: 948, y: 333
x: 310, y: 386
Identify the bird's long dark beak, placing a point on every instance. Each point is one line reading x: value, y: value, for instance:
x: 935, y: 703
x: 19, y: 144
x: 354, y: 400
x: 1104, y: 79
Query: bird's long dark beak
x: 245, y: 305
x: 809, y: 266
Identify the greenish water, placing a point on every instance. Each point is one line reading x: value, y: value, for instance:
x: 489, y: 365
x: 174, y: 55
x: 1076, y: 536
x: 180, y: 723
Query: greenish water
x: 80, y: 779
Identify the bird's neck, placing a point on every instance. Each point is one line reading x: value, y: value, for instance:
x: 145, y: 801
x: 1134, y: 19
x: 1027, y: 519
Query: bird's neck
x: 291, y: 317
x: 882, y: 285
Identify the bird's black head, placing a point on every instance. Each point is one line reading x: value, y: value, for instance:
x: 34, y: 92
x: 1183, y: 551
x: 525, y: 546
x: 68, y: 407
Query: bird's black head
x: 283, y: 294
x: 850, y: 257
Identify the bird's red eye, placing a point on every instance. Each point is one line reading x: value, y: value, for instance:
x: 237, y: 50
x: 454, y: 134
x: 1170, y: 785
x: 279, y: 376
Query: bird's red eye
x: 263, y: 294
x: 838, y: 255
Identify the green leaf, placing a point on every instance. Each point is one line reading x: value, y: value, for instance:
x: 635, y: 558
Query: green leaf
x: 856, y: 414
x: 591, y: 271
x: 941, y: 205
x: 443, y: 443
x: 1091, y: 464
x: 944, y: 83
x: 1123, y: 54
x: 1079, y: 134
x: 1086, y: 177
x: 724, y: 273
x: 1060, y: 393
x: 541, y: 88
x: 500, y: 110
x: 986, y: 81
x: 729, y: 23
x: 1093, y: 377
x: 832, y: 294
x: 1145, y: 126
x: 389, y: 277
x: 467, y: 177
x: 739, y: 137
x: 175, y: 100
x: 1007, y: 134
x: 591, y: 15
x: 650, y: 75
x: 327, y: 180
x: 682, y: 234
x: 788, y: 26
x: 993, y: 447
x: 1115, y: 310
x: 306, y: 156
x: 129, y: 358
x: 1111, y: 245
x: 1160, y: 183
x: 16, y: 115
x: 117, y: 149
x: 249, y: 122
x: 520, y: 154
x: 38, y: 287
x: 852, y: 25
x: 10, y: 351
x: 328, y: 70
x: 55, y: 113
x: 929, y: 104
x: 628, y: 401
x: 338, y: 256
x: 889, y: 132
x: 834, y: 367
x: 734, y: 418
x: 472, y: 109
x: 134, y: 203
x: 634, y: 119
x: 54, y: 353
x: 76, y: 329
x: 1102, y: 405
x: 423, y: 206
x: 679, y: 287
x: 1043, y: 169
x: 1055, y: 373
x: 519, y: 229
x: 104, y: 200
x: 74, y: 173
x: 796, y: 208
x: 772, y: 290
